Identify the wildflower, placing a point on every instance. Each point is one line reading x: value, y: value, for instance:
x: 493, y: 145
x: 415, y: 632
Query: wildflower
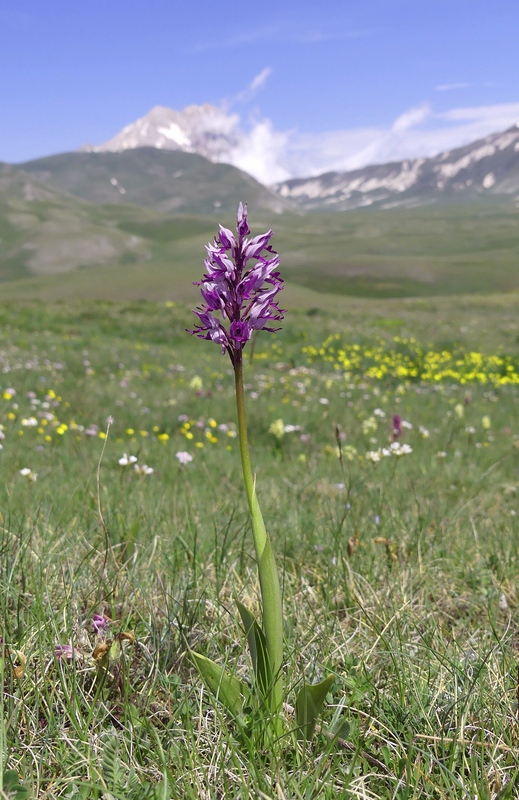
x: 65, y: 651
x: 277, y: 428
x: 459, y: 410
x: 369, y: 425
x: 374, y: 456
x: 349, y: 452
x: 397, y: 427
x: 29, y: 474
x: 125, y: 460
x: 99, y: 623
x: 424, y: 432
x: 379, y: 413
x: 91, y: 430
x: 486, y: 422
x: 143, y: 469
x: 237, y: 291
x: 184, y: 457
x: 196, y: 383
x: 398, y: 449
x: 29, y: 422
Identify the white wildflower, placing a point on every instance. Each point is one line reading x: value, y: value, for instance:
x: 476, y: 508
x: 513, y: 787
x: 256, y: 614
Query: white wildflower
x: 125, y: 460
x: 143, y: 469
x: 29, y: 474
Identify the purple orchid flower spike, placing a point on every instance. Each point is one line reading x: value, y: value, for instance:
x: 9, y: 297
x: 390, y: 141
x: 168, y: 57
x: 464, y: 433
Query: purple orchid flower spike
x: 240, y: 284
x: 397, y: 427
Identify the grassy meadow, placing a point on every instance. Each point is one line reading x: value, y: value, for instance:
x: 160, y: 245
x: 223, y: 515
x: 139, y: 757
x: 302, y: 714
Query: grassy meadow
x: 400, y: 572
x: 62, y: 247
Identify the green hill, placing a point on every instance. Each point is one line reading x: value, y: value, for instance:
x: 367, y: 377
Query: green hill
x: 164, y: 180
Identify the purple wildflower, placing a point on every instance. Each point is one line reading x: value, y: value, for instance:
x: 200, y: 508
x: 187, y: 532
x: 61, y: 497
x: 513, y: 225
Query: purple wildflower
x: 64, y: 651
x: 99, y: 623
x: 240, y: 283
x: 397, y: 427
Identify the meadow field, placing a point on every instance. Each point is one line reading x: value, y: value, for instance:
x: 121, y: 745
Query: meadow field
x: 125, y: 539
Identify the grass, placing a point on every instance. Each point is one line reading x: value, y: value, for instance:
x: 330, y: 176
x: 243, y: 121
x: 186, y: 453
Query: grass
x: 64, y: 248
x: 400, y: 578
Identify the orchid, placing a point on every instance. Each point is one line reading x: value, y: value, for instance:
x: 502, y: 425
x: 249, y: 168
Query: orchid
x: 240, y: 286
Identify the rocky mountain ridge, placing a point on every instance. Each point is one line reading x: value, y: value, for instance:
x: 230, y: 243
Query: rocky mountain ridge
x: 486, y: 167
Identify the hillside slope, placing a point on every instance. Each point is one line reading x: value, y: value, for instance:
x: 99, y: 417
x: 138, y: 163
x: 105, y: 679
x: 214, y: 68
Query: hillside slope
x: 164, y: 180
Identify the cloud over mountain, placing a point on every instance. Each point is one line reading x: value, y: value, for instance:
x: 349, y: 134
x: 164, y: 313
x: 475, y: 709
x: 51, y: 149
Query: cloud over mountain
x: 254, y: 145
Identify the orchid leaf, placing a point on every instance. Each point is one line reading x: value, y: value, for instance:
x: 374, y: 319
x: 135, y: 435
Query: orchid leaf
x: 227, y: 689
x: 257, y: 648
x: 308, y: 705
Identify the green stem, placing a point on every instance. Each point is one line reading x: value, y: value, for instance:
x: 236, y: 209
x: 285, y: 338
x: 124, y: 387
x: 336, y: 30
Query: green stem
x: 268, y: 576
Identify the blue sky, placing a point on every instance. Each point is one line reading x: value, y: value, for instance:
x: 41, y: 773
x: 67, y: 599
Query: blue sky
x: 334, y: 84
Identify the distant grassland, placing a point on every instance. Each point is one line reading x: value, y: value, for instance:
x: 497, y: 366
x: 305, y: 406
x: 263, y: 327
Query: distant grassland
x: 50, y: 249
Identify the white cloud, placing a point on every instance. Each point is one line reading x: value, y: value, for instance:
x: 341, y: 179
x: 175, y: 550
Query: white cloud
x: 262, y: 153
x: 272, y: 156
x: 260, y: 79
x: 248, y: 93
x: 448, y: 87
x: 411, y: 118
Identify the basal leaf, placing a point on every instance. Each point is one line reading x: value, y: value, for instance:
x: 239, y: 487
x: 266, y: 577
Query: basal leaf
x: 308, y: 705
x: 227, y: 689
x: 257, y: 648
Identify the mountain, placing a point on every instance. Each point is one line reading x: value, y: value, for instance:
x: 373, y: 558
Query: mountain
x: 487, y: 167
x: 206, y: 130
x: 168, y: 181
